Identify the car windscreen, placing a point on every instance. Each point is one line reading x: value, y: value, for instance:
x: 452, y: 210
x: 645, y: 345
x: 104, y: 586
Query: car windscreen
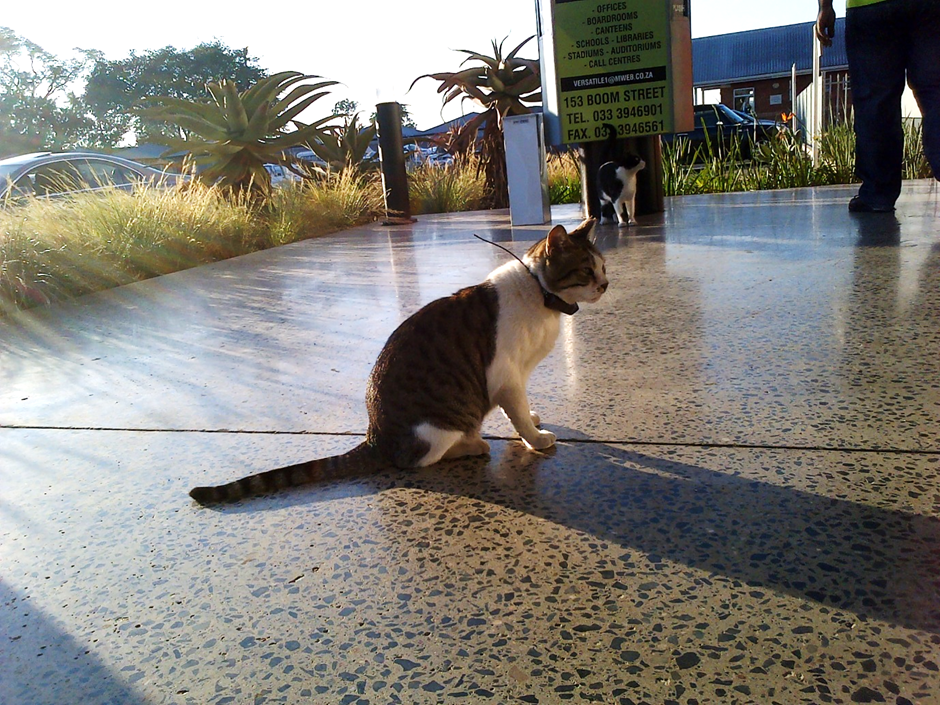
x: 6, y: 173
x: 729, y: 116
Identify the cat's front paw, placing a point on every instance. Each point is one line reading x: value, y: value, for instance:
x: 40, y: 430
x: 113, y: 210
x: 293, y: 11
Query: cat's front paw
x: 545, y: 439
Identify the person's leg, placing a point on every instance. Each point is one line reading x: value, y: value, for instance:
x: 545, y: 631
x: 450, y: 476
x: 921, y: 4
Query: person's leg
x: 875, y: 42
x: 924, y: 74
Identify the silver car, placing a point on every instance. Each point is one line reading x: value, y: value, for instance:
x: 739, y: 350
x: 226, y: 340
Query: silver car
x: 48, y: 174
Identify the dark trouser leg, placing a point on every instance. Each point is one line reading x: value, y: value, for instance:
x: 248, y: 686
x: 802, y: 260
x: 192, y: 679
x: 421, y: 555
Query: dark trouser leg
x: 924, y: 74
x: 876, y: 39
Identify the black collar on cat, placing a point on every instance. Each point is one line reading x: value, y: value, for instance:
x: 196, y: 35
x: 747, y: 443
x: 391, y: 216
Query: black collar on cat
x: 552, y: 301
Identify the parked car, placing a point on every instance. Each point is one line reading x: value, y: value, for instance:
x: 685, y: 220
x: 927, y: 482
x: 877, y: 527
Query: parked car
x: 309, y: 156
x: 764, y: 122
x: 438, y: 157
x: 722, y: 127
x: 281, y: 175
x: 48, y: 174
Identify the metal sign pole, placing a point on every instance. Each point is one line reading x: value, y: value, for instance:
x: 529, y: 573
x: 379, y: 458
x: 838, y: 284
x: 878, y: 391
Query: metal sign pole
x: 817, y: 99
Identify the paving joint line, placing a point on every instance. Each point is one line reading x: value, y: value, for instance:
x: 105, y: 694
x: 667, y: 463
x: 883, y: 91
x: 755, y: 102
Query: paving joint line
x: 586, y: 441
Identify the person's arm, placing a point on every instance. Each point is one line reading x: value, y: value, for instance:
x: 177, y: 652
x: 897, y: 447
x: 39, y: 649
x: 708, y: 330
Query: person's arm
x: 825, y: 23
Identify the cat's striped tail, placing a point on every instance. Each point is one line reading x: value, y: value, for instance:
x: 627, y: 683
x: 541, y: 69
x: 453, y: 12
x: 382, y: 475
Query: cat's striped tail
x: 361, y: 460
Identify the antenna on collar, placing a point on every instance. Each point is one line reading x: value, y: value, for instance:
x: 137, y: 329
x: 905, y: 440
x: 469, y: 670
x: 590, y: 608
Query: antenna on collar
x: 552, y: 301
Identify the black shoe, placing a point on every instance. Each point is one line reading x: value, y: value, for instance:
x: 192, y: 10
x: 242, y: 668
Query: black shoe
x: 857, y: 205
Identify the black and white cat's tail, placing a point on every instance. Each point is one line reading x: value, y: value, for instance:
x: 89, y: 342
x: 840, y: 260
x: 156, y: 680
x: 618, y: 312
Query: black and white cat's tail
x: 361, y: 460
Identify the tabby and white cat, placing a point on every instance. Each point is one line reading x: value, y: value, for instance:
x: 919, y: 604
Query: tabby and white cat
x: 616, y: 184
x: 448, y: 365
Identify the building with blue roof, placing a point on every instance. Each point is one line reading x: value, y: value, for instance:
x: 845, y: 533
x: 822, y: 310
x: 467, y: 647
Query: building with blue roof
x: 753, y: 69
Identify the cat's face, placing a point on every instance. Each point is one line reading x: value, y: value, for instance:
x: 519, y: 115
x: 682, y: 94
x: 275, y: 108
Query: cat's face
x: 571, y: 267
x: 633, y: 163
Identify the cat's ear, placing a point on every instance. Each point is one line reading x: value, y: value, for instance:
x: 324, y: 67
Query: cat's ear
x: 583, y: 231
x: 555, y: 240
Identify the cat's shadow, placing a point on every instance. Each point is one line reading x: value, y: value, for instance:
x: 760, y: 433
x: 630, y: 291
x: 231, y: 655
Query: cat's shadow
x: 870, y: 561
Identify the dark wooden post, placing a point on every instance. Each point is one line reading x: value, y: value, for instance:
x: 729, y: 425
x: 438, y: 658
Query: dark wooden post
x: 392, y: 156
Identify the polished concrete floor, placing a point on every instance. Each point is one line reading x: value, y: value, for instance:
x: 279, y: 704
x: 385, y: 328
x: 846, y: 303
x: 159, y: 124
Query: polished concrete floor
x: 743, y: 506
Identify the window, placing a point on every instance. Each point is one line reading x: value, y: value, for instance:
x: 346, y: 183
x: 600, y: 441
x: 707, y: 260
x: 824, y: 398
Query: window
x: 50, y: 179
x: 102, y: 174
x: 74, y: 175
x: 23, y: 187
x: 744, y: 100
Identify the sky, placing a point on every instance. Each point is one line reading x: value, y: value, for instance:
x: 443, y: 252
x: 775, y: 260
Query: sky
x: 375, y: 48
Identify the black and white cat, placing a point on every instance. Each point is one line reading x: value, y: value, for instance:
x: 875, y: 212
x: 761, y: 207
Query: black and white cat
x: 616, y: 184
x: 448, y: 365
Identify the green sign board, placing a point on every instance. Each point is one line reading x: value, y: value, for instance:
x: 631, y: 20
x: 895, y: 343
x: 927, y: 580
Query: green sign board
x: 612, y: 64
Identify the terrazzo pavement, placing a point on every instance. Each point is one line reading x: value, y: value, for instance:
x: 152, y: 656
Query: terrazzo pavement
x: 743, y: 505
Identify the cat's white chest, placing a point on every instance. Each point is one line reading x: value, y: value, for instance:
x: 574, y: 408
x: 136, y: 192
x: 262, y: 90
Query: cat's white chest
x: 628, y: 178
x: 526, y: 330
x: 526, y: 336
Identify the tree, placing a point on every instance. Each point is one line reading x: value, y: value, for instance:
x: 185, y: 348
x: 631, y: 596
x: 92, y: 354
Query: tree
x: 345, y: 108
x: 236, y: 134
x: 503, y: 86
x: 115, y: 89
x: 37, y: 108
x: 406, y: 119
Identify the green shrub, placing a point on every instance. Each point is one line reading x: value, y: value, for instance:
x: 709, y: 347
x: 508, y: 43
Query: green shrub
x: 56, y: 248
x: 333, y: 202
x: 460, y: 186
x: 680, y: 176
x: 837, y: 154
x: 783, y: 162
x: 915, y: 162
x: 564, y: 178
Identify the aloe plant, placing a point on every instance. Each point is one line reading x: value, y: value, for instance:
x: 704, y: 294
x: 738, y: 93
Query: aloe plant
x: 236, y: 134
x: 502, y: 85
x: 344, y: 147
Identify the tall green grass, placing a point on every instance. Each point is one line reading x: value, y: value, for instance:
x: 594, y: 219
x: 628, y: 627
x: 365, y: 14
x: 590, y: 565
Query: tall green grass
x: 783, y: 162
x: 460, y: 186
x: 679, y: 170
x: 337, y: 201
x: 564, y: 178
x: 915, y: 162
x: 837, y: 154
x: 51, y: 249
x: 57, y: 248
